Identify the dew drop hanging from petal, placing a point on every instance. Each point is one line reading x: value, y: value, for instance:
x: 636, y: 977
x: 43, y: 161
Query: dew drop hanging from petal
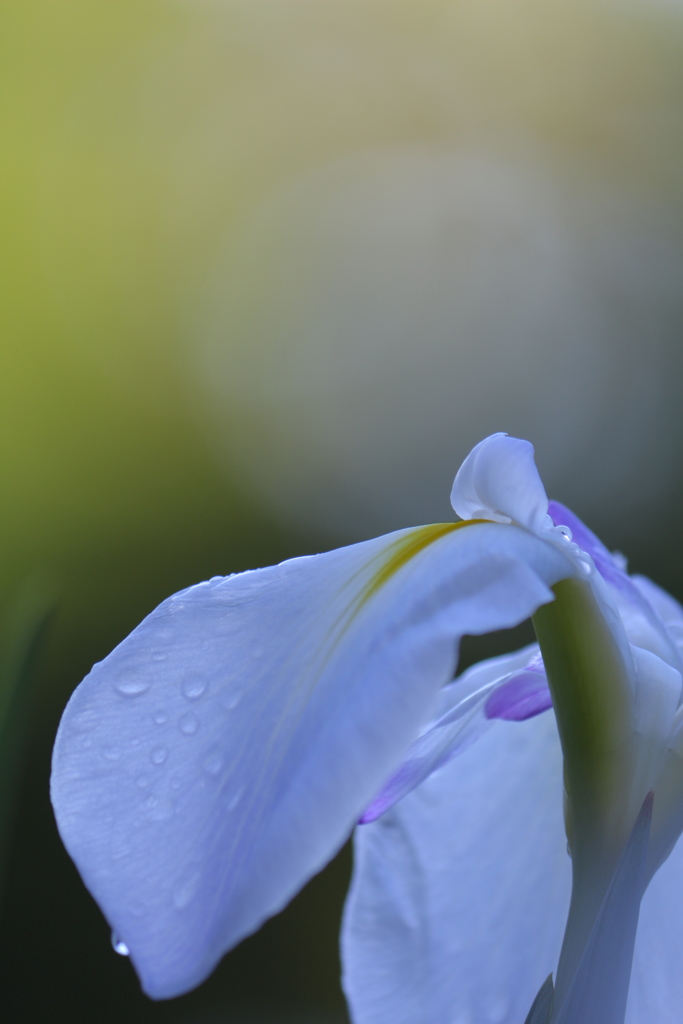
x: 119, y: 946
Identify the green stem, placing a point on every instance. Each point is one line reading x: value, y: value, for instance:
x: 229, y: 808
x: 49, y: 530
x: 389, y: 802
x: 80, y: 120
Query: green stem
x: 592, y: 684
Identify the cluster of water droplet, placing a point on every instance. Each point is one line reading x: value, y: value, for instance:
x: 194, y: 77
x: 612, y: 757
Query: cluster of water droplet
x: 154, y: 782
x: 562, y: 536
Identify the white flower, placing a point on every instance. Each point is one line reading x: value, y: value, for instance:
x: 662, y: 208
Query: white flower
x: 461, y: 892
x: 222, y: 753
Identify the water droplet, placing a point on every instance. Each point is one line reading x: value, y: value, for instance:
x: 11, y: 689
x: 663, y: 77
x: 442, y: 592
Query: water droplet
x: 131, y: 684
x: 189, y: 724
x: 142, y: 781
x: 232, y: 701
x: 184, y: 891
x: 176, y: 782
x: 235, y: 799
x: 150, y: 802
x: 175, y: 607
x: 119, y: 945
x: 564, y: 532
x: 216, y: 579
x: 111, y: 753
x: 569, y: 850
x: 213, y: 762
x: 159, y: 755
x: 160, y: 717
x: 194, y: 686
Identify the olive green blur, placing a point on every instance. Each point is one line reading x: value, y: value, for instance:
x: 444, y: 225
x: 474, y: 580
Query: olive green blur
x: 593, y: 696
x: 593, y: 693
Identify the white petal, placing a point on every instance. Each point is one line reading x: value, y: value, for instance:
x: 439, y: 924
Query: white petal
x: 460, y: 893
x: 498, y: 480
x: 652, y: 619
x: 221, y: 754
x: 663, y: 603
x: 666, y: 606
x: 656, y: 993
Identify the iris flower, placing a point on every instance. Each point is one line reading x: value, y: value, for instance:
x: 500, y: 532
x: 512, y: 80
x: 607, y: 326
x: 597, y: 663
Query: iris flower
x: 224, y: 751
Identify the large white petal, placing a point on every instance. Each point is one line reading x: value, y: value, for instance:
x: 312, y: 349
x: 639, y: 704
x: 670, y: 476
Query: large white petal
x: 656, y: 992
x: 221, y: 754
x: 460, y: 893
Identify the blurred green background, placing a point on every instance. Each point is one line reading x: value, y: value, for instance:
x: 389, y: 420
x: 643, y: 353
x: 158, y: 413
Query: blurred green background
x: 269, y: 268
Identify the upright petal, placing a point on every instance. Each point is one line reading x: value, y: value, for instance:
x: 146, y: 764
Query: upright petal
x: 221, y: 754
x: 460, y: 893
x: 499, y: 481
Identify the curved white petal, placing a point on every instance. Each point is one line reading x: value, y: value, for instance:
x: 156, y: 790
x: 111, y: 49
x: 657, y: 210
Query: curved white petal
x: 498, y: 480
x: 460, y: 893
x: 656, y: 992
x: 221, y: 754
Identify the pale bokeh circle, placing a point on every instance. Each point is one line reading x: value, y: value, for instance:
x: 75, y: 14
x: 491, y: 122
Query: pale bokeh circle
x: 383, y: 312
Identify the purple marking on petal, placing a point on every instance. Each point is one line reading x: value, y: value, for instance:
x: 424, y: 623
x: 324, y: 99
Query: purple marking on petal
x: 523, y: 696
x: 390, y: 793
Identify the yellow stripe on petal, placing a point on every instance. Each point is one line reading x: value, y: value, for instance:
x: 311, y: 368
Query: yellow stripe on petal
x: 405, y: 549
